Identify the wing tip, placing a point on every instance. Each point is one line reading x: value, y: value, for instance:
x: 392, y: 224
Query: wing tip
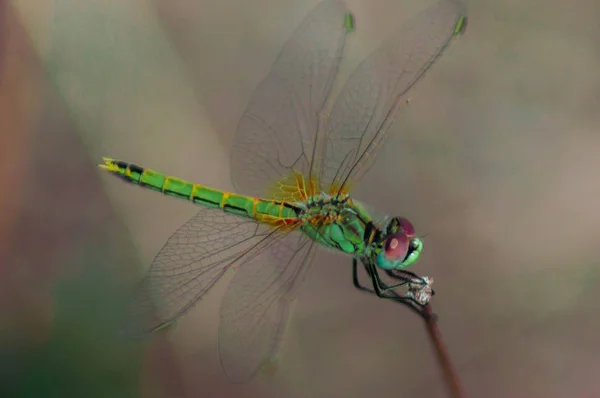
x: 461, y: 25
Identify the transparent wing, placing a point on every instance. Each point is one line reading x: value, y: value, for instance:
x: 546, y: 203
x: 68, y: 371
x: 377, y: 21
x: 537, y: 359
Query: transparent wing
x: 195, y: 257
x: 255, y: 309
x: 365, y: 108
x: 275, y: 134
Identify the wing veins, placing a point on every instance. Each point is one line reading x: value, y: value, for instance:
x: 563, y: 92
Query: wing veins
x: 205, y: 291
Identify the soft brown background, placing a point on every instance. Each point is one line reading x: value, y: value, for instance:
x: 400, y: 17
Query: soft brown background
x: 496, y: 160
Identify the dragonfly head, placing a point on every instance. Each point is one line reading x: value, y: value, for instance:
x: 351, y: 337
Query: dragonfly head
x: 399, y: 248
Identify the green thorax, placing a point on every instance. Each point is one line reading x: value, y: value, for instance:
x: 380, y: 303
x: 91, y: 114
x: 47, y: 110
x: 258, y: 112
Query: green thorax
x: 336, y: 223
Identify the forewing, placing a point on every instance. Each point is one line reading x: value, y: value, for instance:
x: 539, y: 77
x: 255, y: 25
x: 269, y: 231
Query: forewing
x: 276, y: 132
x: 256, y: 306
x: 194, y: 258
x: 375, y: 91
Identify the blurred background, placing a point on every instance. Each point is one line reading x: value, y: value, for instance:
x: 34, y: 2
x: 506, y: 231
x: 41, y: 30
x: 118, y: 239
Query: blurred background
x: 495, y: 159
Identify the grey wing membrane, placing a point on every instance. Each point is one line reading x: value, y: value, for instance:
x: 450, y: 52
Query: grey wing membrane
x: 366, y: 106
x: 275, y: 136
x: 256, y: 306
x: 195, y: 257
x: 277, y: 130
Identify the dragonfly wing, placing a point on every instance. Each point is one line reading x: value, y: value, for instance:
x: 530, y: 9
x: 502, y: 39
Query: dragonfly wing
x: 364, y: 110
x: 255, y: 309
x: 194, y: 258
x: 275, y: 133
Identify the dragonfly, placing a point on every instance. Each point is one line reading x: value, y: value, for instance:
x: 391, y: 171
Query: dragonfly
x: 296, y: 157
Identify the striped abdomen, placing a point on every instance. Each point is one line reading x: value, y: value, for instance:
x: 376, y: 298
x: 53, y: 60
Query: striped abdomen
x: 277, y: 213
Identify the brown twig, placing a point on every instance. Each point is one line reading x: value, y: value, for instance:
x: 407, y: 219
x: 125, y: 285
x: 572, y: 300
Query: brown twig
x: 418, y: 286
x: 450, y: 375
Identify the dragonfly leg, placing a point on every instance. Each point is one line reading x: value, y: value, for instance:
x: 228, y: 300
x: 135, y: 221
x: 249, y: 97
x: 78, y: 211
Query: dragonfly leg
x: 355, y: 280
x: 378, y: 284
x: 406, y: 277
x: 392, y: 287
x: 402, y: 274
x: 379, y: 287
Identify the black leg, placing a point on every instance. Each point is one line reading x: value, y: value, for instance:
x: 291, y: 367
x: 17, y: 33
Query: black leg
x: 401, y: 274
x: 379, y: 287
x: 381, y: 290
x: 405, y: 276
x: 355, y: 278
x: 392, y: 287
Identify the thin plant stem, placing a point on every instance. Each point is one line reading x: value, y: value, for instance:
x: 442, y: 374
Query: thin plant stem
x: 450, y: 375
x: 425, y: 311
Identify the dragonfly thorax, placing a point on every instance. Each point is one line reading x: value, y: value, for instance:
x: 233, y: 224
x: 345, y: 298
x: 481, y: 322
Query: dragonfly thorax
x: 336, y: 223
x: 343, y: 224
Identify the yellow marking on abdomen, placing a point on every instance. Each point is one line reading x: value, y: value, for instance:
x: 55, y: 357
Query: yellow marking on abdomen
x: 224, y: 198
x: 193, y: 191
x: 255, y: 202
x: 164, y: 187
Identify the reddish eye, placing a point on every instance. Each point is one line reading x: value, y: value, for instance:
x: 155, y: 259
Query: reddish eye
x: 407, y: 227
x: 396, y: 246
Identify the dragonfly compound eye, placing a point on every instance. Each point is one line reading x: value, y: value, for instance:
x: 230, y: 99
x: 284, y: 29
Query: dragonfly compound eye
x: 406, y: 226
x: 399, y: 224
x: 394, y: 250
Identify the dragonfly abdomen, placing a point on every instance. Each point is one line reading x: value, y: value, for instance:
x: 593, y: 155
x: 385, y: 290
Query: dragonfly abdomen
x: 268, y: 211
